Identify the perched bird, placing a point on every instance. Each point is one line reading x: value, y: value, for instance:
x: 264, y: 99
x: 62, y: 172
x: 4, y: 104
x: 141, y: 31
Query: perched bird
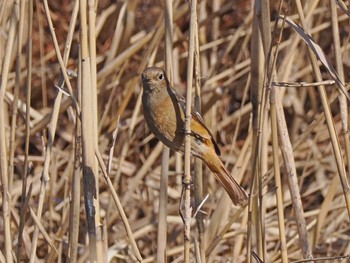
x: 164, y: 112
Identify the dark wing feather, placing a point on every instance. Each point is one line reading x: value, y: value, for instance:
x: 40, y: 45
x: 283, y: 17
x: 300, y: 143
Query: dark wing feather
x: 197, y: 117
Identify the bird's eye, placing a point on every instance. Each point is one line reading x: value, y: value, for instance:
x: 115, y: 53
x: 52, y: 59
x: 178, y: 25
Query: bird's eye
x: 161, y: 76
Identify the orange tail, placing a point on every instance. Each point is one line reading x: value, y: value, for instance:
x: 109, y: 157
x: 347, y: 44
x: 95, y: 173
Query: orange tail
x: 234, y: 190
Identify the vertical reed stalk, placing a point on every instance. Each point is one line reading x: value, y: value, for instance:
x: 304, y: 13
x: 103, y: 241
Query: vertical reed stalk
x: 163, y: 190
x: 258, y: 100
x: 16, y: 91
x: 74, y: 218
x: 198, y: 169
x: 42, y: 59
x: 90, y: 176
x: 187, y: 178
x: 13, y: 132
x: 263, y: 13
x: 6, y: 197
x: 28, y: 99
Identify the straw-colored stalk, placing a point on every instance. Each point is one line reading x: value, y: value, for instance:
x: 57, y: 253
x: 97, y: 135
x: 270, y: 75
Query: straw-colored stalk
x: 289, y: 164
x: 263, y: 12
x: 93, y: 63
x: 16, y: 91
x: 28, y: 99
x: 13, y: 129
x: 74, y: 218
x: 328, y: 114
x: 198, y: 168
x: 24, y: 207
x: 89, y: 130
x: 3, y: 138
x: 75, y: 202
x: 28, y: 89
x: 42, y: 55
x: 278, y: 181
x: 118, y: 33
x: 258, y: 99
x: 187, y: 177
x: 163, y: 188
x: 272, y: 56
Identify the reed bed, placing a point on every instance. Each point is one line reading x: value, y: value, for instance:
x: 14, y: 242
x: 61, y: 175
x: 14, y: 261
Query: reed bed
x: 84, y: 180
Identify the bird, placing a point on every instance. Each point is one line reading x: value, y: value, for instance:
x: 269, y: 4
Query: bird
x: 164, y: 112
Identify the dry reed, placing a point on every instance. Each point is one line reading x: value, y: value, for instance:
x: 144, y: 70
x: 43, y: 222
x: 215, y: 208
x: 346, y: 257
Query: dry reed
x: 269, y: 80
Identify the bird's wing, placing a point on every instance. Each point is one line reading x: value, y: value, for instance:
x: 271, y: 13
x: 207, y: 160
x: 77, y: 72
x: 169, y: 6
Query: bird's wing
x: 199, y: 120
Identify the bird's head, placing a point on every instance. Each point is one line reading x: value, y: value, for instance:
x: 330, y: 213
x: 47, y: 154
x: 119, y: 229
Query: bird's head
x: 153, y: 78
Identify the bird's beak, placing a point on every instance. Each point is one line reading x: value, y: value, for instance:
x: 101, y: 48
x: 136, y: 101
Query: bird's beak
x: 144, y: 78
x: 143, y: 75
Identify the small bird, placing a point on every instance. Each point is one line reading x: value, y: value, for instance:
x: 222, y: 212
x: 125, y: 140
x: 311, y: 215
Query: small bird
x: 164, y: 112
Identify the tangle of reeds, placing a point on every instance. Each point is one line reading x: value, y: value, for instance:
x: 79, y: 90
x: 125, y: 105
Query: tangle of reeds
x: 84, y: 180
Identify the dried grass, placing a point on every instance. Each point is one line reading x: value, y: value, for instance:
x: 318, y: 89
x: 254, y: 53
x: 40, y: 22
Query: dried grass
x: 276, y: 106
